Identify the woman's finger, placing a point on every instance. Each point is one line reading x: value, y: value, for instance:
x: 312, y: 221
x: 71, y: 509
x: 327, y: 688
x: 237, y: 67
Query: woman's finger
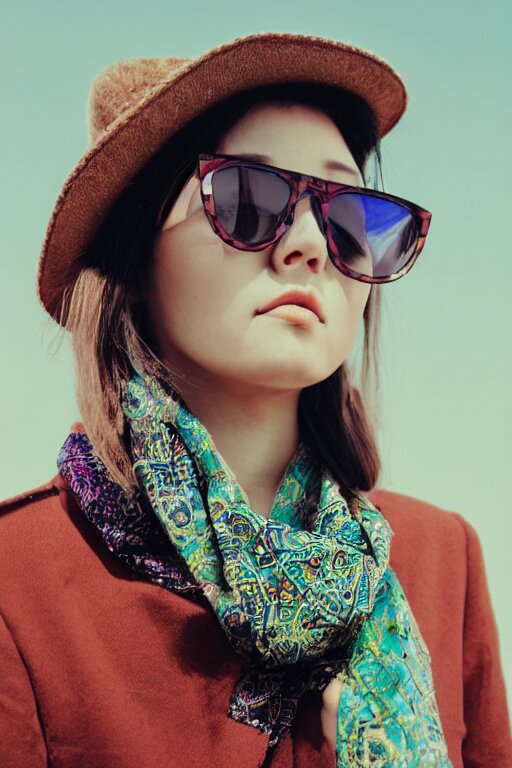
x: 329, y: 712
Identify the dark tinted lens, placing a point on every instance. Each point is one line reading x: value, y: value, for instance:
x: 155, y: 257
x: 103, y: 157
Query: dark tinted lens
x: 372, y: 236
x: 249, y: 203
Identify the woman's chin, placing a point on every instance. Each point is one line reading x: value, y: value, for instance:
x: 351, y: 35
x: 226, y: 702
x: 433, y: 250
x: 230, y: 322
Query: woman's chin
x: 260, y: 367
x: 283, y: 375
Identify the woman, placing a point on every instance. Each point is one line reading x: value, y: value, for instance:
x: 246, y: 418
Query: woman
x: 206, y: 582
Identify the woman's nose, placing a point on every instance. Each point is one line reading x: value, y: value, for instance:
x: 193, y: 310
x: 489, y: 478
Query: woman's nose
x: 303, y: 243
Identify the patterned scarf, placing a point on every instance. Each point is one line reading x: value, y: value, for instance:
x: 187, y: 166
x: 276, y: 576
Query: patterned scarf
x: 303, y: 596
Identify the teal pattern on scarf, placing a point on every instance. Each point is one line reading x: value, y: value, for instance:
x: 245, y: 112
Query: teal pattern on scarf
x: 286, y: 588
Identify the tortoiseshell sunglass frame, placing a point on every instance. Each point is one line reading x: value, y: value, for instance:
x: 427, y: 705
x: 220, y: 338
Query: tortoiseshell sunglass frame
x: 300, y: 184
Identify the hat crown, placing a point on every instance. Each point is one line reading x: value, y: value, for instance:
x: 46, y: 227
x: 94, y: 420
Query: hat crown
x: 123, y: 86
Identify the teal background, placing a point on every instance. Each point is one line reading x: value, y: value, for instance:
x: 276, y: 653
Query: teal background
x: 447, y: 326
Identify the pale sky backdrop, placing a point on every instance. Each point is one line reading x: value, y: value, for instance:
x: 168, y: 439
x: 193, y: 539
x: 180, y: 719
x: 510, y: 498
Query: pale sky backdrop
x: 446, y: 353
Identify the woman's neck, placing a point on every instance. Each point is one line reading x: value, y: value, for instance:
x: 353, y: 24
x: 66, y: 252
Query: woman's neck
x: 257, y: 435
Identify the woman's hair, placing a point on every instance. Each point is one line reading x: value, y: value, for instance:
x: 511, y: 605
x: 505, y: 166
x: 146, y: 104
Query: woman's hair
x: 106, y: 308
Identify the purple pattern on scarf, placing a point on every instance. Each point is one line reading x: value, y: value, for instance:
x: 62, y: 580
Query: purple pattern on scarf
x: 128, y: 528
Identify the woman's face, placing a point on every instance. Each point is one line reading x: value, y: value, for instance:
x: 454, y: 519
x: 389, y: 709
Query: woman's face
x: 206, y: 297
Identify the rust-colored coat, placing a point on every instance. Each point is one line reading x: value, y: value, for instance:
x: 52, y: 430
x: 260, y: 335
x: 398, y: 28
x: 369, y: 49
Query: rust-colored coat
x: 101, y: 670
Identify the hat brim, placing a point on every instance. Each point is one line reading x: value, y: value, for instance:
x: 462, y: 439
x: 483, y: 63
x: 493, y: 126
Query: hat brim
x: 128, y: 144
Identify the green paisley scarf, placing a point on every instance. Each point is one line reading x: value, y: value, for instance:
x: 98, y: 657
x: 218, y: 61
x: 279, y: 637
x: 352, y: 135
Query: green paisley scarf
x: 288, y: 588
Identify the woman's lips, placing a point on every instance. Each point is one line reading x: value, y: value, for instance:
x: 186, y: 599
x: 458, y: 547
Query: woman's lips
x: 297, y: 307
x: 294, y: 314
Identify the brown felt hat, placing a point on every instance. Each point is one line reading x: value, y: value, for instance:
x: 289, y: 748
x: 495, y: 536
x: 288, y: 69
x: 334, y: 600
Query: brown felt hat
x: 137, y: 105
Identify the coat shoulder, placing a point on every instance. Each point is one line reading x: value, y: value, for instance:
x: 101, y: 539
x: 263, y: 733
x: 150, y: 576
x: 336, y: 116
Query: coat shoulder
x: 33, y: 496
x: 410, y: 517
x: 401, y: 502
x: 34, y: 525
x: 35, y: 515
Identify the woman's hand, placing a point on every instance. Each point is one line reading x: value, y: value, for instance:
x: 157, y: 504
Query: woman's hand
x: 329, y: 713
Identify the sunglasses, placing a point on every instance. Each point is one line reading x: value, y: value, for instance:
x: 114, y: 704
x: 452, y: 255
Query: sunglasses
x: 371, y: 236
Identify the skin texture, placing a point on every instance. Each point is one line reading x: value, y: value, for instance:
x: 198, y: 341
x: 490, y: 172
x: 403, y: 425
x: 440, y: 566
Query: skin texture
x: 241, y: 372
